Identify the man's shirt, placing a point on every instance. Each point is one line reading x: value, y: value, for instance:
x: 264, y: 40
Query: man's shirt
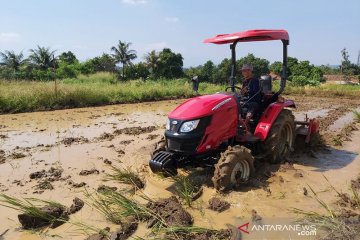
x: 253, y: 85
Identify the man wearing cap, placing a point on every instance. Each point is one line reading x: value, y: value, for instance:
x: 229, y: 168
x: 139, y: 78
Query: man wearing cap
x: 250, y: 88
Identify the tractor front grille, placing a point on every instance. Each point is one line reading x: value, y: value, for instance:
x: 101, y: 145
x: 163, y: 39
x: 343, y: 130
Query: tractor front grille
x: 183, y: 145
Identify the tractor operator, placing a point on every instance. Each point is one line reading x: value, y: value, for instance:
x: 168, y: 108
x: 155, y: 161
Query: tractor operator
x: 251, y: 89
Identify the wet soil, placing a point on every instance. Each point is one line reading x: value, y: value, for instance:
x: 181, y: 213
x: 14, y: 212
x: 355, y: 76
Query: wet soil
x: 218, y: 205
x: 171, y: 211
x: 89, y: 139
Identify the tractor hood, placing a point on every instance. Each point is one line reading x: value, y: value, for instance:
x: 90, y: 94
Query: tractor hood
x: 201, y: 106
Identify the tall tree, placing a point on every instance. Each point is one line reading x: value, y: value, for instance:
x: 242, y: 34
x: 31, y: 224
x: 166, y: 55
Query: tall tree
x: 171, y: 64
x: 12, y: 60
x: 123, y: 54
x: 42, y: 57
x: 152, y: 60
x: 68, y: 58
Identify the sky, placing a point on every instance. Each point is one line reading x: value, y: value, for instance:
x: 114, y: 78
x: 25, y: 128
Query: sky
x: 318, y: 29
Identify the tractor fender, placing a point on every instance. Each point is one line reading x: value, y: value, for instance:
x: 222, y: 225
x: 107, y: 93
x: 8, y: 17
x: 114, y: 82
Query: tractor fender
x: 269, y: 116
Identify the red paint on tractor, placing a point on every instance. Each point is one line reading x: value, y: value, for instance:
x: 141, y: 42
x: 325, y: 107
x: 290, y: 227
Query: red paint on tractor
x: 249, y: 36
x: 269, y: 116
x: 223, y: 125
x: 198, y: 107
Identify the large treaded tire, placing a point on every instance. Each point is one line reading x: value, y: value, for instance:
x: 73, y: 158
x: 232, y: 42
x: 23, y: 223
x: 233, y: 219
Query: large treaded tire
x: 281, y: 138
x: 235, y: 165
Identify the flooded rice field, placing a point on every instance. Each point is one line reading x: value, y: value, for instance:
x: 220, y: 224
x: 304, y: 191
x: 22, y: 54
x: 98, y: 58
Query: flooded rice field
x: 60, y: 155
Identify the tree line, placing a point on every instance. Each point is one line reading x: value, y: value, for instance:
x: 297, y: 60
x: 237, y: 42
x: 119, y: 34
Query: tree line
x: 43, y: 64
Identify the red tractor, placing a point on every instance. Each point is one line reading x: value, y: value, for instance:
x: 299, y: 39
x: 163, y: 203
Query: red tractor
x: 211, y: 128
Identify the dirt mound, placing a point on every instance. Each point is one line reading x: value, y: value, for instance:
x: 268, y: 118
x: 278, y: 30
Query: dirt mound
x: 101, y: 235
x: 355, y: 184
x: 135, y: 130
x: 16, y: 155
x: 218, y: 205
x: 44, y: 185
x: 88, y: 172
x: 50, y: 215
x: 104, y: 188
x: 76, y: 185
x: 152, y: 136
x: 347, y: 201
x: 171, y: 211
x: 69, y: 141
x: 2, y: 156
x: 106, y: 136
x: 53, y: 174
x: 76, y: 206
x: 127, y: 228
x: 45, y: 178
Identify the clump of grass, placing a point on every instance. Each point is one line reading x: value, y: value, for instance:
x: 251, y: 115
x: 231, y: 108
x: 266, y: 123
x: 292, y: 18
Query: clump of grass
x: 31, y: 207
x: 337, y: 141
x: 185, y: 189
x: 125, y: 176
x: 115, y: 206
x: 356, y: 115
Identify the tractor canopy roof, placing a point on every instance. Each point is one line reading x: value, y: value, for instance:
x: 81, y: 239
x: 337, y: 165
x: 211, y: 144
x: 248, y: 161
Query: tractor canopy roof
x: 250, y: 36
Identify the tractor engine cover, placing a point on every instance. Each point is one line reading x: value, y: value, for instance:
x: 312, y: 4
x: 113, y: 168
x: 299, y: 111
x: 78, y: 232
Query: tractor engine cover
x: 217, y: 116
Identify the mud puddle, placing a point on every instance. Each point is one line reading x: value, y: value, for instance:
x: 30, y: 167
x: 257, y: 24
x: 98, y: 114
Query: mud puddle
x: 90, y: 139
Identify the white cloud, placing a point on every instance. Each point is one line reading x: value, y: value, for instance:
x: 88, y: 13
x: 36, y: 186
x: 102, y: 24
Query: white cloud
x: 135, y: 2
x: 156, y: 46
x: 172, y: 19
x: 9, y: 37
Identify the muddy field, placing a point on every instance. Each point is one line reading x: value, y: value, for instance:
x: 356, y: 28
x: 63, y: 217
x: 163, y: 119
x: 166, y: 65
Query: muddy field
x: 60, y: 155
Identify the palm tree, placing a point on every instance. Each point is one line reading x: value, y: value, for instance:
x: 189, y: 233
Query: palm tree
x: 122, y: 54
x: 152, y: 62
x: 42, y: 57
x: 12, y: 60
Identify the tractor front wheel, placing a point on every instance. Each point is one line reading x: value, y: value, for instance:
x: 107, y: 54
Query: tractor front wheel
x: 235, y: 165
x: 281, y: 138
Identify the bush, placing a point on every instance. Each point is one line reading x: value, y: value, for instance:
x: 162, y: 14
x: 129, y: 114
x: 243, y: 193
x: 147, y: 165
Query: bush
x: 67, y: 70
x: 300, y: 81
x: 136, y: 71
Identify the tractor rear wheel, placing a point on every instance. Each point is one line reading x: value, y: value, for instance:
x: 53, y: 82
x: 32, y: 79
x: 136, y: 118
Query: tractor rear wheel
x: 281, y: 138
x: 235, y: 165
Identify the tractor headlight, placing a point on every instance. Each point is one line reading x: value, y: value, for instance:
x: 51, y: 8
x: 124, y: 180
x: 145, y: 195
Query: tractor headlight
x: 168, y: 124
x: 189, y: 126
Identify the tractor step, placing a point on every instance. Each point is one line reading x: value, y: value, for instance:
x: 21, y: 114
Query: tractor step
x: 164, y: 162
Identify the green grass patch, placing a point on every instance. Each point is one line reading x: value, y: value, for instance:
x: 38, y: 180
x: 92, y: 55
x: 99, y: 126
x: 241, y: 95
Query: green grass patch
x: 104, y: 88
x: 324, y: 90
x: 92, y: 90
